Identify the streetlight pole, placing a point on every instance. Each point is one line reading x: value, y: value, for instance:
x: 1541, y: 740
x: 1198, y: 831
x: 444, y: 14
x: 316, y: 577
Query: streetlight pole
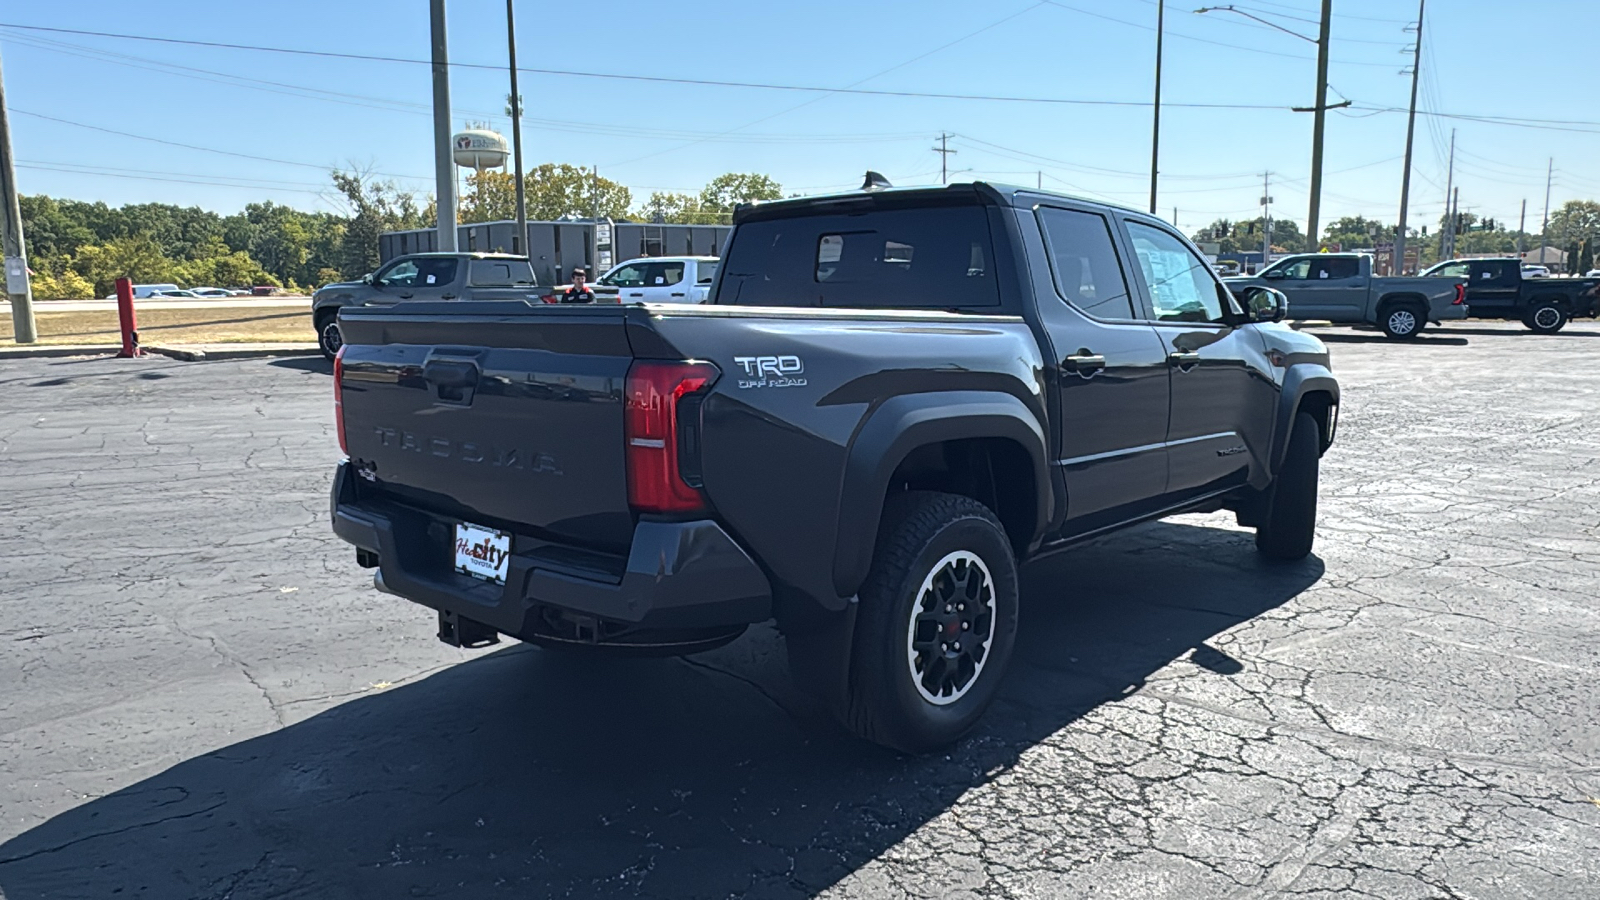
x: 1320, y: 110
x: 1411, y: 130
x: 1155, y: 130
x: 443, y: 164
x: 521, y: 243
x: 1319, y: 121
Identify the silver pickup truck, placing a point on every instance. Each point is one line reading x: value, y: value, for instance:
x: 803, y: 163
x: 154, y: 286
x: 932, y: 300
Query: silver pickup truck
x: 1340, y: 287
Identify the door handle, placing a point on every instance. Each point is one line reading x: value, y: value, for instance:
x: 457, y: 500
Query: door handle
x: 405, y: 296
x: 447, y: 296
x: 1184, y: 361
x: 1084, y: 364
x: 678, y: 294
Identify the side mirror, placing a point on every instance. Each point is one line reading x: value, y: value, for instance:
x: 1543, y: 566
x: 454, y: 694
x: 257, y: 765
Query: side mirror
x: 367, y: 278
x: 1265, y: 304
x: 1272, y: 273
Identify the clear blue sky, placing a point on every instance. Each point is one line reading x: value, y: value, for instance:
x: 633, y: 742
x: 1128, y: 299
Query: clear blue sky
x: 1481, y: 58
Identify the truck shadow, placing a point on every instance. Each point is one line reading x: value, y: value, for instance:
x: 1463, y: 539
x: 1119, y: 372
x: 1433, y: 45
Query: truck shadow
x: 1426, y: 339
x: 559, y: 776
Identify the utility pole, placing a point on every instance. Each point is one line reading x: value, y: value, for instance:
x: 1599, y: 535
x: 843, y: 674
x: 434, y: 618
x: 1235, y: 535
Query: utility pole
x: 1522, y: 226
x: 1155, y: 130
x: 1411, y: 130
x: 16, y: 256
x: 1041, y: 179
x: 443, y: 163
x: 1544, y: 229
x: 1448, y: 233
x: 1266, y: 220
x: 1455, y: 219
x: 516, y: 135
x: 594, y: 193
x: 944, y: 152
x: 1319, y: 121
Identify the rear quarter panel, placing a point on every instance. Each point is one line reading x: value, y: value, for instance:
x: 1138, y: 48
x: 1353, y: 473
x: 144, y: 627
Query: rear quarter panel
x: 778, y: 437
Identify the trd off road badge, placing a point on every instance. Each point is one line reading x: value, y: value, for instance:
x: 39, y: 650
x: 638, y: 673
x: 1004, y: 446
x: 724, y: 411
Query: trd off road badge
x: 771, y: 371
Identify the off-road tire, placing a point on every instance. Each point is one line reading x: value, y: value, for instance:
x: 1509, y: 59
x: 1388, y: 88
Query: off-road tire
x: 1290, y: 526
x: 1403, y: 321
x: 920, y: 532
x: 1546, y: 317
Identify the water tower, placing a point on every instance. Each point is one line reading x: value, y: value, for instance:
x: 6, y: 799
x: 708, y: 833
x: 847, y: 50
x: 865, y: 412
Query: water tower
x: 479, y: 148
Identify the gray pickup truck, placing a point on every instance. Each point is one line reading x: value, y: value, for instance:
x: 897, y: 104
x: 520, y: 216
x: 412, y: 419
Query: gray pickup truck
x: 422, y: 276
x: 1340, y: 287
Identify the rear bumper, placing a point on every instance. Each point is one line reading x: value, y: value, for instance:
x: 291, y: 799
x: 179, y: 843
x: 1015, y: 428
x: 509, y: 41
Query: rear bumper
x: 678, y: 576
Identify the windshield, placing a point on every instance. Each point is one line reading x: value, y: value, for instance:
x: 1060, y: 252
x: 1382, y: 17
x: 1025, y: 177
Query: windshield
x: 916, y: 258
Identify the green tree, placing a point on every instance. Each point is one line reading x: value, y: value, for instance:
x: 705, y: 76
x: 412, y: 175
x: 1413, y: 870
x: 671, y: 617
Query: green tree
x: 1575, y: 220
x: 1352, y: 232
x: 1245, y: 236
x: 727, y: 191
x: 678, y: 209
x: 375, y: 207
x: 138, y: 258
x: 490, y: 197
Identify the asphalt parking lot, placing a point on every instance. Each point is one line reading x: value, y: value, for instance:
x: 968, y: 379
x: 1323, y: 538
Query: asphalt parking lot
x: 202, y: 696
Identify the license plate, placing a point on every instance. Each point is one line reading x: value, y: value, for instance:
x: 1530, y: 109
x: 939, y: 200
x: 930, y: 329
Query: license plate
x: 482, y: 552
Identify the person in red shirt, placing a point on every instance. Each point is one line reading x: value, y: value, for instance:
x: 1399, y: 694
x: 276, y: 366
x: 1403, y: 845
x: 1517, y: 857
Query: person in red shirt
x: 579, y: 292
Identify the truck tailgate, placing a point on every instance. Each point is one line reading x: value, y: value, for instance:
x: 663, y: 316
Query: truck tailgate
x: 493, y: 413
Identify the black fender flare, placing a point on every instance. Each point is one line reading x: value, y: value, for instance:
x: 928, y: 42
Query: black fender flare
x: 901, y: 424
x: 1300, y: 380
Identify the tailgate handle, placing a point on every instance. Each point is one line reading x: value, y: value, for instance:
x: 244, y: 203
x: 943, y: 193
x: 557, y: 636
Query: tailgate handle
x: 453, y: 380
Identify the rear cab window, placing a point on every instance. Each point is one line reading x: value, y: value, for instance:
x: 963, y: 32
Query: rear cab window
x: 917, y: 257
x: 499, y: 273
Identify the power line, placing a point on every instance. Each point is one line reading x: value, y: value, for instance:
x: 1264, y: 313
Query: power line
x: 1190, y: 37
x: 141, y: 137
x: 658, y: 79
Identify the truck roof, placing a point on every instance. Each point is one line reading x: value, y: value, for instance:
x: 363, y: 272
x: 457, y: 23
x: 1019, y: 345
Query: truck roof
x: 1002, y: 194
x: 467, y: 254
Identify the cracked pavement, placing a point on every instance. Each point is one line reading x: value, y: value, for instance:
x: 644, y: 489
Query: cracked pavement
x: 204, y: 697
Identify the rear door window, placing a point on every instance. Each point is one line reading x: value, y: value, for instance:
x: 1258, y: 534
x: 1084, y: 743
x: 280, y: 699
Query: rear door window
x: 914, y: 258
x: 1335, y: 267
x: 1084, y: 262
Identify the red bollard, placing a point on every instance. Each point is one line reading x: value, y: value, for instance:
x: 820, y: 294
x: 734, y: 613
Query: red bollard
x: 130, y: 333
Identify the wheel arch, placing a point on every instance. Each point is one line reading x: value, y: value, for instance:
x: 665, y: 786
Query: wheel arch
x: 985, y: 445
x: 1306, y: 388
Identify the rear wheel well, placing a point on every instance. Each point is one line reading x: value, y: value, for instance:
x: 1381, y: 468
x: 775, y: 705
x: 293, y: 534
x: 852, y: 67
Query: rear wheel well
x: 996, y: 472
x: 1392, y: 300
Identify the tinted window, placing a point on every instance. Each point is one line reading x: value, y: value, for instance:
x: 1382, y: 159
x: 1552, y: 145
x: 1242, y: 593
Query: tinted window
x: 1084, y: 263
x: 1299, y: 270
x: 630, y: 275
x: 1182, y: 287
x: 1336, y: 267
x: 499, y: 273
x: 1453, y: 270
x: 705, y: 272
x: 402, y: 274
x: 666, y: 273
x: 927, y: 258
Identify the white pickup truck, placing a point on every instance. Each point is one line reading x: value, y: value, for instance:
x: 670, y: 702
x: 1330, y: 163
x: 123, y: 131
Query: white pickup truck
x: 659, y: 279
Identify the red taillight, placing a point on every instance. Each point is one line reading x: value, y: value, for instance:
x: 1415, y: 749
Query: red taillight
x: 1461, y: 295
x: 338, y: 398
x: 656, y: 391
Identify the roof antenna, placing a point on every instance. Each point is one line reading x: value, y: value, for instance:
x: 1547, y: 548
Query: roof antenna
x: 875, y: 182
